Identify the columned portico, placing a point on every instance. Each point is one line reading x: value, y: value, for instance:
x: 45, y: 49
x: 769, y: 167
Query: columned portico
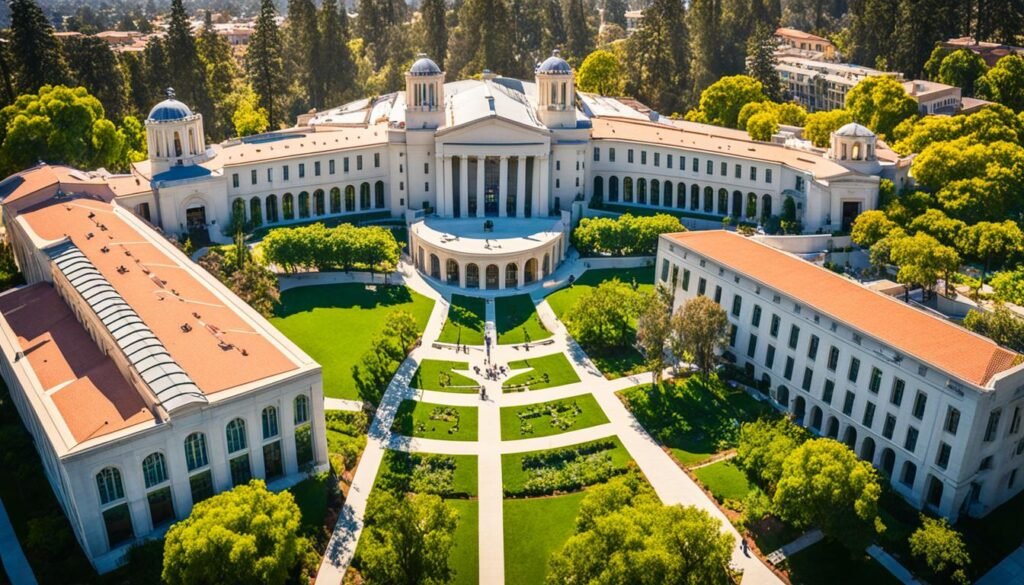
x: 503, y: 187
x: 479, y: 186
x: 464, y: 186
x: 521, y: 187
x: 541, y: 205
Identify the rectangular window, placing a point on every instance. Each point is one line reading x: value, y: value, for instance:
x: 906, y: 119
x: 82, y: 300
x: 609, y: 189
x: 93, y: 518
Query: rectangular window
x: 826, y: 393
x: 752, y: 345
x: 833, y: 358
x: 270, y: 175
x: 273, y: 464
x: 739, y: 171
x: 724, y: 169
x: 808, y: 378
x: 376, y: 160
x: 686, y: 279
x: 897, y: 392
x: 952, y: 420
x: 643, y: 157
x: 302, y: 170
x: 664, y: 270
x: 812, y: 348
x: 920, y: 401
x: 769, y: 356
x: 911, y: 441
x: 344, y: 165
x: 597, y: 154
x: 558, y: 165
x: 611, y: 155
x: 629, y: 155
x: 696, y: 165
x: 161, y: 507
x: 657, y: 159
x: 794, y: 336
x: 202, y: 486
x: 774, y: 329
x: 869, y: 415
x: 854, y: 370
x: 718, y: 294
x: 992, y: 426
x: 330, y: 167
x: 426, y: 168
x: 848, y: 403
x: 767, y: 175
x: 668, y: 160
x: 875, y: 383
x: 942, y: 458
x: 118, y: 521
x: 234, y: 180
x: 359, y: 162
x: 702, y: 286
x: 753, y: 173
x: 1015, y: 421
x: 732, y: 336
x: 253, y: 177
x: 889, y: 426
x: 737, y: 303
x: 240, y: 471
x: 284, y: 172
x: 755, y: 319
x: 316, y: 168
x: 710, y: 167
x: 788, y: 372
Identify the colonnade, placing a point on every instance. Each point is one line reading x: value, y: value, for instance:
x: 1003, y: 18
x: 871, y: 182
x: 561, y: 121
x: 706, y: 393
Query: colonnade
x: 454, y: 186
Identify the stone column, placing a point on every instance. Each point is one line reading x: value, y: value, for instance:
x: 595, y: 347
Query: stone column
x: 464, y: 186
x: 520, y: 274
x: 521, y: 187
x: 446, y: 181
x: 544, y: 192
x: 480, y: 165
x: 462, y: 274
x: 535, y: 187
x: 503, y: 187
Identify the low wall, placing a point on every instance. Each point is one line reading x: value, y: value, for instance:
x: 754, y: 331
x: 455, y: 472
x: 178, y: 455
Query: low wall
x: 805, y: 244
x: 626, y: 262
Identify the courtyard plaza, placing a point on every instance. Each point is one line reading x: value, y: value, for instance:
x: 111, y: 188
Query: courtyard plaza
x: 669, y: 481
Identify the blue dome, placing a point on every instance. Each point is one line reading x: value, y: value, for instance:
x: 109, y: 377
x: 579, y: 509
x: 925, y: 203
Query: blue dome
x: 424, y: 66
x: 555, y: 65
x: 169, y: 110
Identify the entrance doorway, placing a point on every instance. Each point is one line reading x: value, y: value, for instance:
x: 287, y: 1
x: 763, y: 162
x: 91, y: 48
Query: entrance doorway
x: 195, y: 223
x: 491, y: 203
x: 851, y: 209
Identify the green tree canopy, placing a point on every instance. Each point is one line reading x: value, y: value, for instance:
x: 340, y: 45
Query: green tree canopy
x: 657, y: 59
x: 602, y: 318
x: 870, y: 227
x: 962, y: 68
x: 36, y: 55
x: 406, y: 539
x: 703, y: 327
x: 626, y: 235
x: 653, y: 327
x: 942, y: 549
x: 763, y: 447
x: 245, y: 535
x: 265, y: 63
x: 880, y: 103
x: 1004, y: 83
x: 762, y: 127
x: 1009, y: 286
x: 819, y: 126
x: 988, y: 241
x: 601, y: 73
x: 1000, y: 325
x: 973, y: 181
x: 923, y: 260
x: 993, y: 123
x: 940, y: 226
x: 721, y: 102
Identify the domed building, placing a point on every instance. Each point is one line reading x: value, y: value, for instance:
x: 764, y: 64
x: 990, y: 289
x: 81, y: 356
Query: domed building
x: 490, y: 173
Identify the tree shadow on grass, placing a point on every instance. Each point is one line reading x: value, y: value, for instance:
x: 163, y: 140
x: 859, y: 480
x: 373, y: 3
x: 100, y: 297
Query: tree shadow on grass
x: 341, y: 296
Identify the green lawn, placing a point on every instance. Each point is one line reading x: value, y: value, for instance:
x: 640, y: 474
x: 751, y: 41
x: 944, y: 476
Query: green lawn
x: 692, y: 419
x: 517, y: 321
x: 555, y: 366
x: 465, y: 323
x: 441, y: 375
x: 535, y: 528
x: 464, y: 557
x: 435, y: 421
x: 830, y: 562
x: 311, y: 496
x: 514, y: 477
x: 409, y: 472
x: 724, y: 480
x: 551, y: 418
x: 335, y: 323
x: 346, y: 438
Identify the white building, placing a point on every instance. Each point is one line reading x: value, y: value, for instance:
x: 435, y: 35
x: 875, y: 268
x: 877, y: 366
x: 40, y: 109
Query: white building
x: 517, y: 154
x: 936, y: 408
x: 147, y: 385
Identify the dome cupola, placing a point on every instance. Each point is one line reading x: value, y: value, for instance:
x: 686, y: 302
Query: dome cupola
x: 555, y: 65
x: 556, y: 92
x: 424, y: 94
x: 174, y: 134
x: 169, y: 110
x: 853, y: 146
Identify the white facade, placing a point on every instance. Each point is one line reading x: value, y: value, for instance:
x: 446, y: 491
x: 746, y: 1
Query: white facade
x: 952, y: 445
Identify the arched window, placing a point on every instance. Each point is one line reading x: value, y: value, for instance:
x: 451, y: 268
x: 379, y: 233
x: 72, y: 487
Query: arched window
x: 108, y: 481
x: 655, y: 192
x: 627, y: 189
x: 235, y: 432
x: 271, y: 209
x: 350, y: 198
x: 709, y: 200
x: 303, y: 204
x: 598, y: 194
x: 288, y: 203
x: 694, y: 197
x: 154, y: 469
x: 681, y: 196
x: 511, y: 275
x: 318, y: 202
x: 378, y: 194
x: 335, y: 200
x: 364, y: 196
x: 737, y: 204
x: 909, y: 474
x: 195, y: 451
x: 751, y: 205
x: 766, y: 206
x: 177, y: 144
x: 301, y: 409
x: 723, y: 202
x: 269, y: 422
x: 856, y: 151
x: 472, y: 276
x: 613, y: 188
x: 641, y: 191
x: 255, y: 212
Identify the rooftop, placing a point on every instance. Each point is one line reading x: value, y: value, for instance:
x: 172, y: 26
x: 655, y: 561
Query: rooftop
x: 927, y: 338
x: 509, y: 235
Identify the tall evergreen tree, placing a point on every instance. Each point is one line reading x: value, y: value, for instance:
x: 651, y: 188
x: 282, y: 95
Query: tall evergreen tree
x: 919, y: 24
x: 157, y: 76
x: 435, y: 30
x: 302, y: 38
x: 183, y: 62
x: 871, y: 29
x: 659, y: 57
x: 374, y: 23
x: 336, y: 69
x: 133, y: 68
x: 486, y: 26
x: 615, y: 12
x: 221, y: 76
x: 580, y: 36
x: 95, y: 67
x: 761, y: 61
x: 704, y: 22
x: 554, y: 34
x: 265, y: 63
x: 36, y: 54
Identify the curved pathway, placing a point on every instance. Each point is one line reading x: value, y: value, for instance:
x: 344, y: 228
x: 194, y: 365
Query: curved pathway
x: 670, y: 482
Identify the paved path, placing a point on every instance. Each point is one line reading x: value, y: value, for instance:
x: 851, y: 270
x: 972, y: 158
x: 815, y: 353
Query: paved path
x: 670, y: 482
x: 18, y: 570
x: 1009, y: 571
x: 342, y: 404
x: 893, y: 566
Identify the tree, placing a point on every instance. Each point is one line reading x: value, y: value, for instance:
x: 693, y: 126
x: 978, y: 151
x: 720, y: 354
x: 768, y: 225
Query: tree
x: 402, y: 326
x: 942, y: 549
x: 601, y: 318
x: 579, y: 32
x: 923, y: 260
x: 962, y: 68
x: 973, y: 182
x: 721, y: 102
x: 870, y: 227
x: 653, y: 327
x: 615, y: 12
x: 1004, y: 83
x: 249, y: 118
x: 703, y: 20
x: 987, y: 241
x: 407, y: 539
x: 37, y: 58
x: 994, y: 123
x: 880, y: 103
x: 625, y: 535
x: 703, y: 327
x: 435, y: 30
x: 819, y: 126
x: 762, y: 127
x: 1009, y: 286
x: 761, y: 61
x: 336, y: 70
x: 376, y: 367
x: 824, y: 484
x: 658, y: 57
x: 601, y: 73
x: 1000, y: 325
x: 221, y: 73
x: 95, y: 67
x: 940, y: 226
x: 245, y: 535
x: 265, y: 62
x: 763, y: 447
x: 183, y: 62
x: 302, y: 49
x: 485, y: 26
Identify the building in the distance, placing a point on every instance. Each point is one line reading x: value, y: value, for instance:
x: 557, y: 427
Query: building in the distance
x: 147, y: 386
x: 990, y: 52
x: 803, y: 44
x: 933, y: 97
x: 936, y: 408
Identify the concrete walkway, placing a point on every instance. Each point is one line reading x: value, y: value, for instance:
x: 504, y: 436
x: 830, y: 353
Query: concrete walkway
x: 1009, y: 571
x: 342, y: 404
x: 15, y: 564
x: 670, y: 482
x: 893, y: 566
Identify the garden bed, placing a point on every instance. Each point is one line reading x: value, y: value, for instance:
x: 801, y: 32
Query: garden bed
x: 562, y: 470
x: 517, y: 321
x: 550, y: 418
x: 545, y: 371
x: 435, y: 421
x: 442, y: 376
x: 449, y: 476
x: 465, y: 322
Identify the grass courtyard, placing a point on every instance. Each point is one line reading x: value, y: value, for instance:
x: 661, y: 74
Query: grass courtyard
x: 565, y: 469
x: 464, y: 557
x: 724, y: 480
x: 449, y: 476
x: 692, y: 418
x: 312, y: 316
x: 550, y: 418
x: 465, y: 322
x: 545, y: 371
x: 517, y: 321
x: 443, y: 376
x: 534, y: 529
x: 435, y: 421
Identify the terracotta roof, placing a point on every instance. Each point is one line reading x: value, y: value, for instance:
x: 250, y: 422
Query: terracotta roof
x: 292, y: 145
x: 714, y: 140
x: 47, y: 178
x: 932, y: 340
x: 799, y: 34
x: 223, y: 349
x: 88, y: 391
